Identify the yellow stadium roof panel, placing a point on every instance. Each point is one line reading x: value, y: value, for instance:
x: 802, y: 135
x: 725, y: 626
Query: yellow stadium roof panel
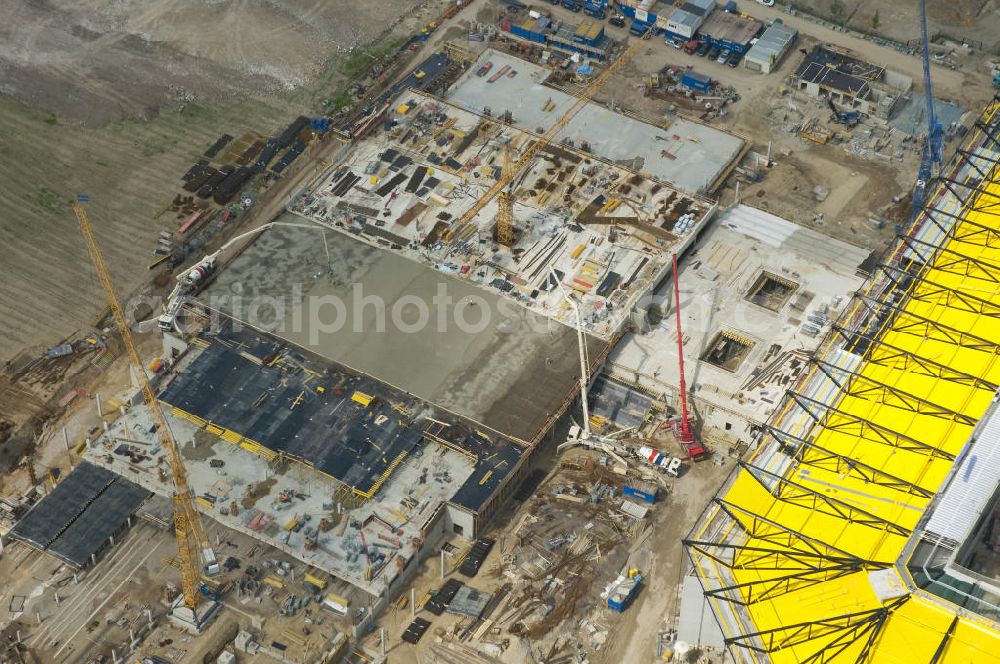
x: 806, y: 553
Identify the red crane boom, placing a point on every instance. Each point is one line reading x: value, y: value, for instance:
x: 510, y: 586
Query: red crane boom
x: 685, y: 434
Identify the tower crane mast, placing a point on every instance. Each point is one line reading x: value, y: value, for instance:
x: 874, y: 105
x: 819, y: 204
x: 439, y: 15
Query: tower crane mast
x: 192, y: 543
x: 931, y: 160
x: 505, y: 213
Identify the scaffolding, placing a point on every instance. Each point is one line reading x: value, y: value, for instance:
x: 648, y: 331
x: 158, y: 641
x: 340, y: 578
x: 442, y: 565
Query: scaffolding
x: 803, y: 553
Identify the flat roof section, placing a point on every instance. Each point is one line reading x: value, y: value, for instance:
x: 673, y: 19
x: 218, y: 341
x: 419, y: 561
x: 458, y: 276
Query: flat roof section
x: 732, y: 28
x: 686, y: 154
x: 76, y: 519
x: 974, y: 480
x: 772, y: 44
x: 344, y: 425
x: 506, y: 368
x: 838, y: 71
x: 222, y: 471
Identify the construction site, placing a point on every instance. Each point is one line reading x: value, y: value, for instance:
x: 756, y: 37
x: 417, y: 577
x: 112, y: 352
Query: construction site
x: 555, y: 334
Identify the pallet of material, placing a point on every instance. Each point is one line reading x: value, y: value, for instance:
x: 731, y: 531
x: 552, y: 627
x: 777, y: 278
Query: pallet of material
x: 345, y: 184
x: 411, y: 213
x: 472, y: 562
x: 218, y: 145
x: 416, y: 179
x: 440, y: 600
x: 199, y: 178
x: 391, y: 184
x: 415, y: 630
x: 195, y: 170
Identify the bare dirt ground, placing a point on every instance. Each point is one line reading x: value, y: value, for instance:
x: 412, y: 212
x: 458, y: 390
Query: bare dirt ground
x: 117, y: 99
x: 859, y: 189
x: 897, y: 19
x: 629, y: 637
x: 98, y: 61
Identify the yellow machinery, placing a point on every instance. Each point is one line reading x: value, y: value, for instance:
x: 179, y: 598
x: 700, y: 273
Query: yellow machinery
x: 192, y: 543
x: 508, y: 174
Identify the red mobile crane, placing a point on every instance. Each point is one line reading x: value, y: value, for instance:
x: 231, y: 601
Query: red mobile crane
x: 693, y: 448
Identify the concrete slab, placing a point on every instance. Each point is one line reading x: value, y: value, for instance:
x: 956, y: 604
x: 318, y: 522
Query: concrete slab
x: 605, y: 230
x: 406, y: 500
x: 701, y: 153
x: 475, y: 355
x: 696, y: 625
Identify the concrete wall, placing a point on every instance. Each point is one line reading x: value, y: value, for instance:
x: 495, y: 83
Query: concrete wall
x: 460, y: 521
x: 173, y: 345
x: 434, y: 529
x: 897, y: 81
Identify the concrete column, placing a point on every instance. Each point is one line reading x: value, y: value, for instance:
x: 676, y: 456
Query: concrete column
x: 149, y: 616
x: 55, y: 596
x: 111, y: 538
x: 100, y: 410
x: 737, y: 200
x: 413, y: 603
x: 93, y: 559
x: 383, y: 643
x: 66, y: 439
x: 38, y: 617
x: 114, y: 656
x: 442, y: 563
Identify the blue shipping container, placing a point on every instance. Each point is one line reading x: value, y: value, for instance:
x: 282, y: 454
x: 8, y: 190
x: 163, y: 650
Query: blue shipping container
x: 645, y: 495
x: 525, y: 33
x: 696, y: 81
x: 622, y: 596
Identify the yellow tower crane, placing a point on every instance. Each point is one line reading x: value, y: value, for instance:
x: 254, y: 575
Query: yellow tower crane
x: 507, y: 175
x: 505, y: 200
x: 193, y: 547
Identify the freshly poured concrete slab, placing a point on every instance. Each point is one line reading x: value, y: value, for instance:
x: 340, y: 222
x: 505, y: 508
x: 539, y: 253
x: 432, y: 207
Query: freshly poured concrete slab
x: 700, y: 153
x: 444, y: 340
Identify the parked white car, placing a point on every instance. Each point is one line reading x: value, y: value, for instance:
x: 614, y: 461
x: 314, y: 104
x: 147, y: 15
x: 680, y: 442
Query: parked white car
x: 766, y: 3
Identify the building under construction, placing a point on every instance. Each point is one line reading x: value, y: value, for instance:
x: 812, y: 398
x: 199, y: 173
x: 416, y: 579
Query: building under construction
x: 759, y: 294
x: 863, y: 526
x: 419, y: 422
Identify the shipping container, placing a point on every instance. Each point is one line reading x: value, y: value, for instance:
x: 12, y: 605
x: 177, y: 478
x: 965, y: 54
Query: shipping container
x: 640, y: 491
x: 292, y: 131
x: 696, y: 81
x: 624, y: 591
